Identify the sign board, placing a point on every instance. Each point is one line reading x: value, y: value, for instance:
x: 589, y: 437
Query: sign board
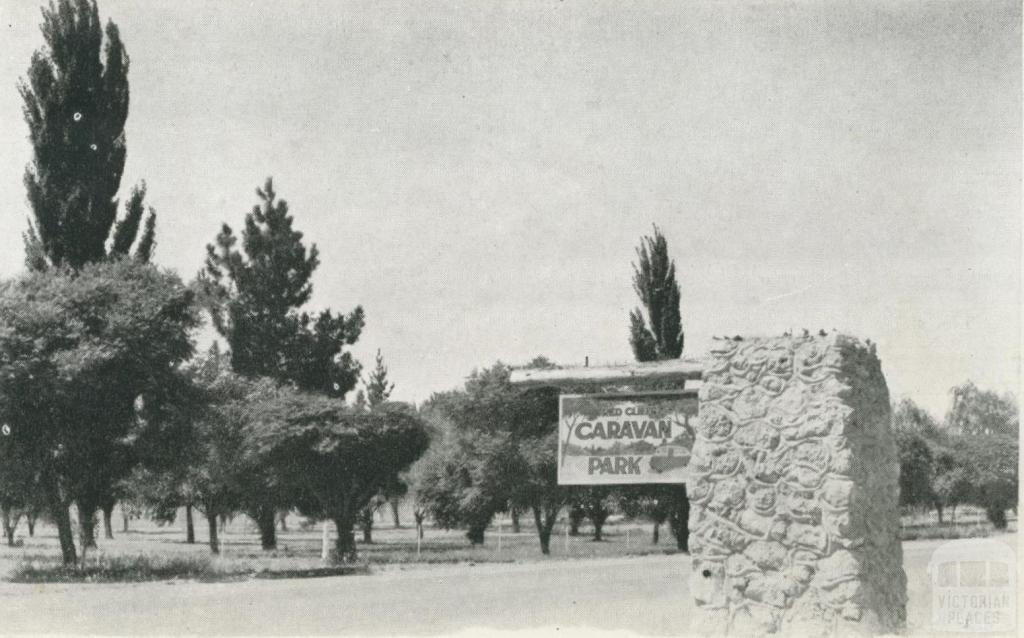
x: 612, y: 439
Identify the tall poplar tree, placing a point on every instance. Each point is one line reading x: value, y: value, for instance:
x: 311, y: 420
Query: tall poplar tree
x: 75, y: 104
x: 658, y: 338
x: 654, y: 280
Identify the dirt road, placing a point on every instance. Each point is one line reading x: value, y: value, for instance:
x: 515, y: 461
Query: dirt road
x: 645, y: 594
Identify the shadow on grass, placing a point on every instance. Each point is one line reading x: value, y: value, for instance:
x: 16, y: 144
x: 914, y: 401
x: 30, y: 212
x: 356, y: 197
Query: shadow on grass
x: 143, y: 568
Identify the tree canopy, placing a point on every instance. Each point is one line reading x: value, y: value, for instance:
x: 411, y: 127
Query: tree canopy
x: 333, y: 460
x: 76, y: 350
x: 654, y: 280
x: 499, y: 451
x: 378, y: 386
x: 76, y: 104
x: 255, y: 293
x: 978, y: 412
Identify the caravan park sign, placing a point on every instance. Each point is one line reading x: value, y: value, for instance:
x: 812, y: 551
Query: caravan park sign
x: 608, y: 439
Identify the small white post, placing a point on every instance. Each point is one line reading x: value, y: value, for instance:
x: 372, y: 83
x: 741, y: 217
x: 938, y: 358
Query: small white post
x: 417, y: 543
x: 324, y: 551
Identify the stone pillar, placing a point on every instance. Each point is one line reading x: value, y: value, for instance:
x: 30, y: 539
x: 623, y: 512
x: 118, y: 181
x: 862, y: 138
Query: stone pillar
x: 794, y: 519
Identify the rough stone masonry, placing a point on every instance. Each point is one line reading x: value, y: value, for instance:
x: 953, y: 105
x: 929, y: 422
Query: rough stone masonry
x: 794, y: 525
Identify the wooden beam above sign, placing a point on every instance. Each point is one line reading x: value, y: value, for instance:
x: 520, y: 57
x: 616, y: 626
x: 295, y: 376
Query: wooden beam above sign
x: 655, y: 371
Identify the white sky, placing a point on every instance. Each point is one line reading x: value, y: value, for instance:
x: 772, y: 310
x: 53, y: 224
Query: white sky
x: 477, y: 174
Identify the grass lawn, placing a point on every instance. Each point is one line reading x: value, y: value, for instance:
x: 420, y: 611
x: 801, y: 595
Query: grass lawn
x: 152, y: 552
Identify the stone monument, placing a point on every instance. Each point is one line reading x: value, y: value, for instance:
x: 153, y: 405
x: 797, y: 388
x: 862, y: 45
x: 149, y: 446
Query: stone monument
x: 794, y: 524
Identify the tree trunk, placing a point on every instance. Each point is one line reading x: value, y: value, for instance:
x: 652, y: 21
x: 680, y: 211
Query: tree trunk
x: 87, y: 524
x: 282, y: 518
x: 544, y: 528
x: 679, y: 519
x: 30, y: 518
x: 366, y: 523
x: 10, y: 523
x: 418, y: 516
x: 62, y: 518
x: 124, y: 523
x: 938, y: 508
x: 190, y: 528
x: 265, y: 520
x: 997, y: 515
x: 475, y: 534
x: 108, y: 528
x: 211, y: 520
x: 656, y: 533
x: 394, y: 511
x: 598, y: 514
x: 514, y: 514
x: 576, y: 516
x: 345, y: 543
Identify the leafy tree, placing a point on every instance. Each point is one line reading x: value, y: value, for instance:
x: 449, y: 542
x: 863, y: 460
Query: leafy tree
x: 214, y: 465
x: 591, y: 502
x: 984, y: 428
x: 159, y: 495
x: 977, y: 412
x: 537, y: 485
x: 334, y: 461
x: 378, y: 387
x: 76, y: 350
x: 950, y: 484
x: 540, y: 362
x: 454, y: 485
x: 17, y: 492
x: 909, y: 417
x: 654, y: 280
x: 420, y: 507
x: 674, y: 499
x: 639, y: 500
x: 916, y: 469
x: 501, y: 450
x: 76, y: 104
x: 992, y: 473
x: 255, y: 294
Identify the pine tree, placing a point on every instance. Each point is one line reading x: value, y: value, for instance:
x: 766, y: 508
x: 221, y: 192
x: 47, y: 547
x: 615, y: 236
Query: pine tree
x: 75, y: 104
x: 377, y: 387
x: 255, y: 295
x: 359, y: 403
x: 654, y: 279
